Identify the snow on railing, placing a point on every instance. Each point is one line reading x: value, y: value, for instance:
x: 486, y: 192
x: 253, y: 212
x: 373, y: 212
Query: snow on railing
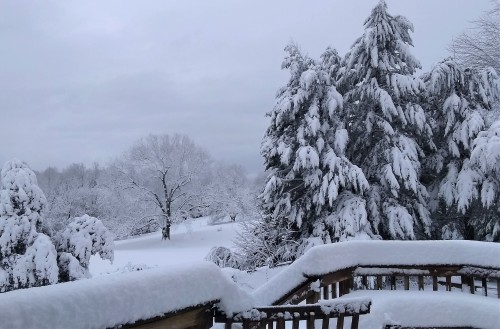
x: 323, y: 311
x: 339, y: 260
x: 120, y: 299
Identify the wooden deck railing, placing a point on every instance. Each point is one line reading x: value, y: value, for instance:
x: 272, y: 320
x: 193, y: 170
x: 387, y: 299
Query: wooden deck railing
x: 332, y: 285
x: 277, y: 316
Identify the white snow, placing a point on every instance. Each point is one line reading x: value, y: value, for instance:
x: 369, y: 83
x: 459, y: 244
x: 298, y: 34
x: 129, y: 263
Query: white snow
x: 428, y: 309
x: 325, y: 259
x: 117, y: 299
x: 190, y: 241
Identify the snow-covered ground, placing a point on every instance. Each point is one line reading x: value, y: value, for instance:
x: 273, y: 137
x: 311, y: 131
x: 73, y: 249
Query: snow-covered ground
x: 178, y: 265
x: 191, y: 241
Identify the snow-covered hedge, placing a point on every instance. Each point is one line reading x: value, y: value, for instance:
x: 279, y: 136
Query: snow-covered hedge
x: 118, y: 299
x: 334, y: 257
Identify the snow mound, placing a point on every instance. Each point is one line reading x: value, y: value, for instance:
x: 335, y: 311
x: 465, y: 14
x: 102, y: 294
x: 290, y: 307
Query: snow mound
x: 113, y: 300
x: 330, y: 258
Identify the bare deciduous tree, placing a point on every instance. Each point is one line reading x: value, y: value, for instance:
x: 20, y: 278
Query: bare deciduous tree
x: 479, y: 47
x: 167, y: 171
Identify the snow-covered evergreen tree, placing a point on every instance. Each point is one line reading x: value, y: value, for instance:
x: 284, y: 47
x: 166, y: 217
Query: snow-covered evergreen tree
x: 303, y: 150
x: 27, y: 258
x: 460, y: 99
x: 387, y: 126
x: 82, y: 238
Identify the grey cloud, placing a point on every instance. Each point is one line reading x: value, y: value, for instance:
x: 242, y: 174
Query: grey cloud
x: 80, y: 81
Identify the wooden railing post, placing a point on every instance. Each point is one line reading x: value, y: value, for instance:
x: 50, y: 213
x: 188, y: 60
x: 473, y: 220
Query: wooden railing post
x: 498, y: 287
x: 472, y: 285
x: 484, y: 283
x: 355, y: 321
x: 326, y: 322
x: 281, y: 323
x: 326, y: 292
x: 340, y: 322
x: 310, y: 321
x: 420, y: 282
x: 379, y: 282
x: 334, y: 290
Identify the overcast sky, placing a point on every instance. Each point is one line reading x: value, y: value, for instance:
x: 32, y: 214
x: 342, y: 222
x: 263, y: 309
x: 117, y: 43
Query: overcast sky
x: 81, y: 81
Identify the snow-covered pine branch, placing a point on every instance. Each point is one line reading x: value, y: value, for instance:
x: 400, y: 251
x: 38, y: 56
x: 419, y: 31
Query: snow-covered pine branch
x: 460, y: 100
x: 304, y: 152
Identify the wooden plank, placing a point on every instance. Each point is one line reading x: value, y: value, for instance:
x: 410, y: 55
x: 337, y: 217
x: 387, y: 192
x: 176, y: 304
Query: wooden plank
x: 281, y: 323
x: 197, y: 318
x: 347, y: 285
x: 313, y: 298
x: 297, y: 295
x: 484, y: 283
x: 379, y: 282
x: 336, y: 276
x: 310, y: 320
x: 340, y: 322
x: 341, y: 288
x: 355, y: 322
x: 334, y: 290
x: 472, y: 285
x: 326, y: 322
x: 434, y: 283
x: 498, y: 288
x: 248, y: 324
x: 420, y: 282
x: 326, y: 293
x: 393, y: 282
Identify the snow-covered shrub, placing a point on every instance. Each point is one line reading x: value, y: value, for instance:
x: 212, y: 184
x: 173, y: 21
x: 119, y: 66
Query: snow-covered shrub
x: 38, y: 265
x: 82, y: 238
x: 223, y: 257
x: 145, y: 226
x: 264, y: 243
x: 27, y: 258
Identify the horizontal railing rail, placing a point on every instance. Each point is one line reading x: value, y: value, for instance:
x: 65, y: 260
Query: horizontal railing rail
x: 394, y: 277
x: 325, y: 312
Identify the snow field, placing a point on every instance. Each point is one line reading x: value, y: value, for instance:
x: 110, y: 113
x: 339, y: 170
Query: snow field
x: 190, y: 241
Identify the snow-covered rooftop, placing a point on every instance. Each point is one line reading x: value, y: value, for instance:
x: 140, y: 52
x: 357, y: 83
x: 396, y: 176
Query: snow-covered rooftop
x: 117, y: 299
x: 333, y: 257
